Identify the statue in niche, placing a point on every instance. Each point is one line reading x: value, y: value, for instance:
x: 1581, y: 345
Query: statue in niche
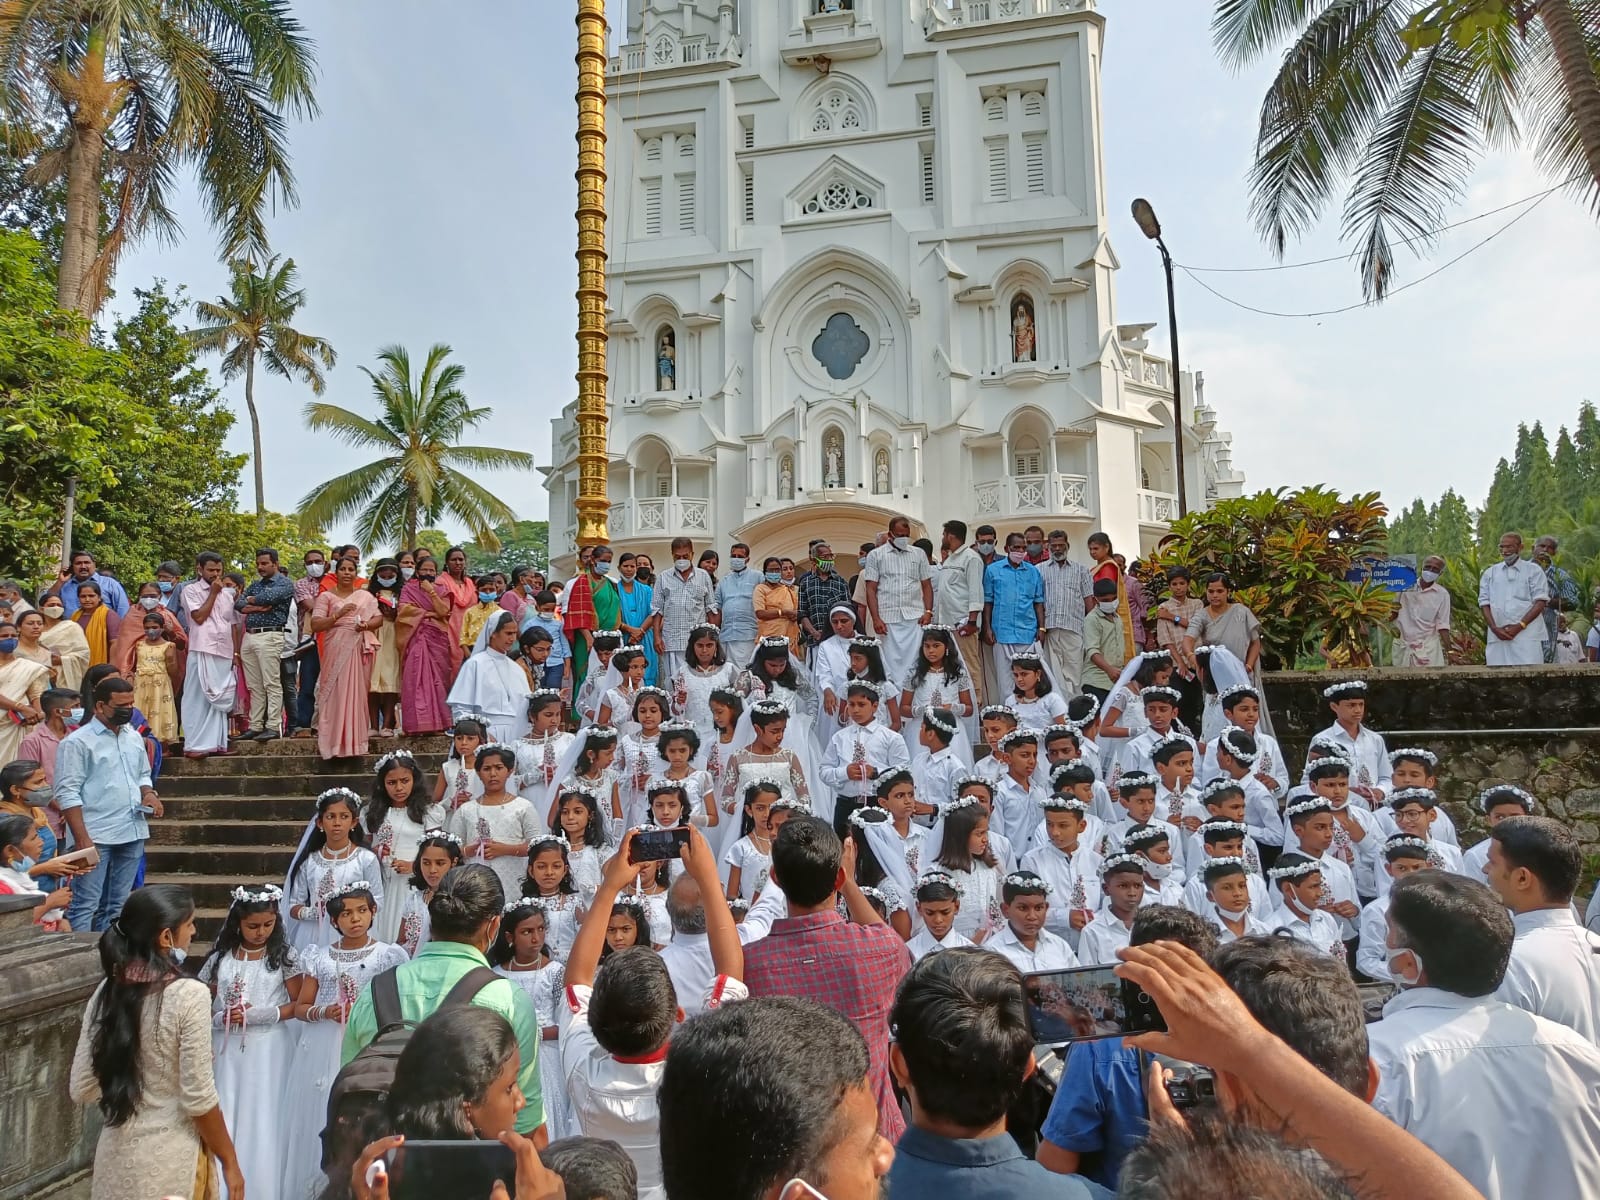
x: 880, y: 473
x: 786, y: 478
x: 667, y: 360
x: 833, y: 460
x: 1023, y: 342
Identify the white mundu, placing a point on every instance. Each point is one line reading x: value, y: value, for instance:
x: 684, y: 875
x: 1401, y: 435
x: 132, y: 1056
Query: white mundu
x: 1555, y: 970
x: 1510, y: 590
x: 1510, y: 1100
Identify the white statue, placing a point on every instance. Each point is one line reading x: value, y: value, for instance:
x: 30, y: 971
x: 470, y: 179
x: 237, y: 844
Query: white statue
x: 834, y: 455
x: 881, y: 482
x: 786, y: 478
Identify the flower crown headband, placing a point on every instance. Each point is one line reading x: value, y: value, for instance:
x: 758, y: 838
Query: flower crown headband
x: 1218, y: 787
x: 869, y: 815
x: 338, y: 793
x: 548, y: 839
x: 1134, y: 780
x: 608, y: 633
x: 768, y: 708
x: 349, y: 889
x: 440, y: 835
x: 543, y: 693
x: 630, y: 648
x: 1426, y: 797
x: 1218, y: 825
x: 1159, y: 692
x: 1298, y: 870
x: 576, y: 786
x: 1248, y: 758
x: 931, y: 628
x: 1427, y: 756
x: 930, y: 877
x: 1171, y: 739
x: 1029, y: 659
x: 661, y: 784
x: 1404, y: 841
x: 1118, y: 862
x: 1238, y: 689
x: 1063, y: 804
x: 990, y: 711
x: 872, y: 893
x: 1312, y: 804
x: 788, y: 802
x: 773, y: 642
x: 523, y: 904
x: 393, y: 757
x: 1329, y: 764
x: 650, y: 689
x: 1150, y: 835
x: 1505, y: 789
x: 603, y: 733
x: 1027, y: 881
x: 634, y: 904
x: 738, y: 904
x: 1016, y: 737
x: 1231, y: 862
x: 512, y: 750
x: 865, y: 685
x: 861, y: 640
x: 957, y: 805
x: 1336, y: 691
x: 1155, y: 656
x: 892, y: 776
x: 267, y: 893
x: 946, y: 727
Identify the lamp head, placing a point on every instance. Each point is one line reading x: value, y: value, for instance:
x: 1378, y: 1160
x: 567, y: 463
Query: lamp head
x: 1145, y: 216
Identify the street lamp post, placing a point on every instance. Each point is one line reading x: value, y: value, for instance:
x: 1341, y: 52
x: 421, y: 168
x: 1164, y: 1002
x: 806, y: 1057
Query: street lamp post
x: 1145, y: 216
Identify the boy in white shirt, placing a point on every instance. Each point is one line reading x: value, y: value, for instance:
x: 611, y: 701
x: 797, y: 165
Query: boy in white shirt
x: 1221, y: 799
x: 1076, y: 781
x: 860, y: 752
x: 1229, y: 902
x: 1063, y: 746
x: 1298, y: 878
x: 1017, y: 793
x: 935, y: 767
x: 1357, y: 834
x: 938, y: 902
x: 1025, y: 904
x: 1069, y: 864
x: 1241, y: 707
x: 1413, y: 767
x: 1402, y: 855
x: 1163, y: 879
x: 1414, y: 811
x: 994, y: 722
x: 1176, y: 801
x: 1220, y: 838
x: 1311, y: 827
x: 1498, y: 802
x: 1236, y: 756
x: 1369, y: 757
x: 1122, y: 881
x: 1161, y: 710
x: 1137, y: 797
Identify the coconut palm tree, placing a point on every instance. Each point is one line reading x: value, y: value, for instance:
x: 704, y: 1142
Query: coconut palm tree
x: 1400, y: 98
x: 252, y: 322
x: 132, y: 90
x: 419, y: 478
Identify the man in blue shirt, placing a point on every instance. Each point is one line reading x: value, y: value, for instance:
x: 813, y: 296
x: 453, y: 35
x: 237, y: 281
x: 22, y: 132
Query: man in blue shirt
x: 736, y: 602
x: 83, y: 571
x: 963, y: 1052
x: 102, y: 787
x: 1013, y: 607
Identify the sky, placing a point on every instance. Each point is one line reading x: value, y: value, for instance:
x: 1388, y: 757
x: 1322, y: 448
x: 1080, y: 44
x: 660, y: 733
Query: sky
x: 436, y: 199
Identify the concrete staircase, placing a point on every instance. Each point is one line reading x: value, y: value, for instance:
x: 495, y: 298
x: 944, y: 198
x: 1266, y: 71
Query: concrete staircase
x: 238, y: 819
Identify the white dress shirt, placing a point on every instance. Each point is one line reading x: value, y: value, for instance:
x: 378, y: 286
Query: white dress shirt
x: 1510, y: 591
x: 1102, y: 938
x: 1368, y: 755
x: 1440, y: 858
x: 1371, y: 959
x: 1475, y: 862
x: 1254, y: 926
x: 1017, y: 810
x: 959, y: 590
x: 1049, y: 953
x: 1074, y: 880
x: 1365, y: 855
x: 1321, y: 931
x: 1555, y: 970
x: 880, y: 748
x: 1509, y: 1099
x: 1270, y: 763
x: 936, y: 774
x: 924, y: 943
x: 1198, y: 902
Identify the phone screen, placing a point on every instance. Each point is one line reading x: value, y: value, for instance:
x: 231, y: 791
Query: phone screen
x: 655, y: 845
x: 1085, y: 1003
x: 436, y: 1170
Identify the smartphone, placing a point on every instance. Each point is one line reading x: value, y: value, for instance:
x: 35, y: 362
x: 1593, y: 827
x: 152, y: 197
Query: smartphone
x: 440, y: 1170
x: 657, y: 845
x: 1086, y: 1003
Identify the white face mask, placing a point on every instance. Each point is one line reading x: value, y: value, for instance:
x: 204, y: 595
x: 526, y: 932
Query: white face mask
x: 177, y: 954
x: 1510, y: 557
x: 1231, y: 913
x: 1430, y: 577
x: 1107, y: 606
x: 149, y: 603
x: 902, y: 543
x: 407, y: 572
x: 738, y: 564
x: 315, y: 570
x: 1157, y: 870
x: 1390, y: 953
x: 683, y: 564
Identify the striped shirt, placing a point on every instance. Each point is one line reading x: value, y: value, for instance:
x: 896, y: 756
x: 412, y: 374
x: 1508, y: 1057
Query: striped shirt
x: 1066, y: 586
x: 899, y: 575
x: 682, y: 604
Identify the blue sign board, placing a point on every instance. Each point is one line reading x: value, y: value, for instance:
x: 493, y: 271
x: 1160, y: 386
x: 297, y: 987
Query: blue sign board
x: 1390, y: 574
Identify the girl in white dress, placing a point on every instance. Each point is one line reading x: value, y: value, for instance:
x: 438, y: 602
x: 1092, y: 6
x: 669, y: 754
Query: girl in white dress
x: 750, y: 858
x: 497, y: 827
x: 590, y: 764
x: 332, y: 977
x: 776, y: 676
x: 396, y: 816
x: 638, y: 758
x: 616, y: 704
x: 706, y: 671
x: 938, y: 680
x: 965, y: 855
x: 458, y: 779
x: 629, y: 926
x: 1122, y: 716
x: 866, y: 663
x: 549, y: 881
x: 332, y: 855
x: 579, y: 819
x: 678, y: 746
x: 521, y: 955
x: 542, y: 747
x: 650, y: 893
x: 251, y: 971
x: 765, y: 760
x: 890, y: 883
x: 727, y: 706
x: 606, y: 643
x: 1037, y: 704
x: 437, y: 852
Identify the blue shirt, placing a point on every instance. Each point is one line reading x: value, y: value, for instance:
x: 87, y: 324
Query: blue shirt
x: 278, y: 593
x: 926, y: 1165
x: 1099, y: 1110
x: 1013, y: 591
x: 103, y: 771
x: 110, y: 591
x: 736, y: 601
x: 551, y: 625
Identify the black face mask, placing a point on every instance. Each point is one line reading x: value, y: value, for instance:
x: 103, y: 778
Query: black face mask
x: 120, y: 716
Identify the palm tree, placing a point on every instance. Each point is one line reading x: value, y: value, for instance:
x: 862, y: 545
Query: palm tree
x: 1401, y: 98
x: 252, y: 322
x: 418, y: 480
x: 131, y: 90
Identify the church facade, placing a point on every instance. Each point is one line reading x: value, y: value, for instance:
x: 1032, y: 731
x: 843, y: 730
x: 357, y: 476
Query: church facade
x: 860, y: 266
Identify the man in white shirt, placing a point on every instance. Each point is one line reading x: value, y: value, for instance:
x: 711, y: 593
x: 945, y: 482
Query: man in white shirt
x: 1534, y: 866
x: 1422, y: 621
x: 958, y: 601
x: 899, y: 594
x: 688, y: 954
x: 1025, y: 904
x: 1509, y: 1099
x: 1513, y: 595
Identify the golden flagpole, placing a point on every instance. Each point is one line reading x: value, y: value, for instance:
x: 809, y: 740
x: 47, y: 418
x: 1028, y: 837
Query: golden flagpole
x: 593, y: 506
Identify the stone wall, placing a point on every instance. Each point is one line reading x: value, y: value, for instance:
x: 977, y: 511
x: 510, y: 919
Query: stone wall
x: 1536, y: 727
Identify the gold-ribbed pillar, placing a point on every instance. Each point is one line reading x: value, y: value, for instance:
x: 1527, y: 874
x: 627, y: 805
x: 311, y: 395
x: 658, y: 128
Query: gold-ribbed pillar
x: 593, y: 506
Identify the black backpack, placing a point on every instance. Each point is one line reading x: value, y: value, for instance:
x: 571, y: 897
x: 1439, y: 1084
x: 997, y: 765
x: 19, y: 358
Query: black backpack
x: 362, y: 1085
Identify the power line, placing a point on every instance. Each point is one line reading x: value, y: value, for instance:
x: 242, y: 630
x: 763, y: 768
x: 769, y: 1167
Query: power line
x: 1329, y: 312
x: 1424, y: 236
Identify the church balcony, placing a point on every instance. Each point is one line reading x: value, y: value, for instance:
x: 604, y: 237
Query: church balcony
x: 1034, y: 495
x: 831, y: 31
x: 1157, y: 508
x: 963, y: 15
x: 657, y: 517
x: 667, y: 52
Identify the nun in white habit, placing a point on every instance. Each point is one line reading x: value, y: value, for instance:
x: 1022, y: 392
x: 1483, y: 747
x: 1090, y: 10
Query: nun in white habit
x: 491, y: 687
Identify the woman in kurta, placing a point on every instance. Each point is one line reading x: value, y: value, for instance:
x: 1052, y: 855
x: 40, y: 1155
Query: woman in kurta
x: 69, y: 649
x: 144, y: 1056
x: 22, y: 682
x: 592, y: 603
x: 384, y: 689
x: 1105, y: 567
x: 634, y: 598
x: 422, y: 631
x: 348, y: 618
x: 100, y: 624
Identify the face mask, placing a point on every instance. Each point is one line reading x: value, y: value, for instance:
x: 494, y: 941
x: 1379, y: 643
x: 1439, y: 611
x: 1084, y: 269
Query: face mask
x: 986, y: 549
x: 1059, y: 555
x: 1016, y: 556
x: 1430, y: 577
x: 527, y: 589
x: 486, y: 597
x: 549, y: 614
x: 738, y: 564
x: 1233, y: 914
x: 53, y: 611
x: 8, y: 645
x: 39, y: 797
x: 1035, y: 548
x: 315, y: 570
x: 149, y: 603
x: 407, y: 572
x: 121, y: 716
x: 682, y: 564
x: 177, y: 954
x: 386, y: 580
x: 862, y: 561
x: 602, y: 567
x: 153, y: 634
x: 902, y: 543
x: 166, y: 586
x: 824, y: 564
x: 1157, y: 870
x: 75, y: 716
x: 1510, y: 558
x: 1390, y: 953
x: 774, y: 576
x: 1107, y: 606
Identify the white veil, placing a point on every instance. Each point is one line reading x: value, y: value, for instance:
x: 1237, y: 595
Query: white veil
x: 567, y: 764
x: 887, y: 848
x: 799, y: 736
x: 1228, y: 672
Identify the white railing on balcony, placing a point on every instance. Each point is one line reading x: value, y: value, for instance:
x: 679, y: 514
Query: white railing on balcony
x: 1149, y: 370
x: 666, y: 51
x: 1022, y: 495
x: 981, y: 12
x: 1157, y: 508
x: 660, y: 516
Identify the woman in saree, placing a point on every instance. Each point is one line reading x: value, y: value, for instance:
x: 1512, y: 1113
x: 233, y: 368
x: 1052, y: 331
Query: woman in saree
x: 1105, y: 567
x: 426, y: 650
x: 22, y: 682
x: 463, y: 593
x: 634, y: 598
x: 30, y: 629
x: 100, y: 624
x: 349, y: 620
x: 69, y: 649
x: 125, y: 645
x: 592, y: 603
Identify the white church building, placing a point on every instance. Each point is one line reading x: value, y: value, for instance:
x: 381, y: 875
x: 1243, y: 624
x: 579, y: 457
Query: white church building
x: 859, y: 266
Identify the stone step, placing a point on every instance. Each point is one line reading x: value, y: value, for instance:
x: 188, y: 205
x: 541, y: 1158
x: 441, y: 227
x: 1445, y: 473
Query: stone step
x: 242, y: 864
x: 193, y: 835
x: 279, y: 766
x: 307, y: 748
x: 212, y: 891
x: 293, y: 808
x: 304, y: 785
